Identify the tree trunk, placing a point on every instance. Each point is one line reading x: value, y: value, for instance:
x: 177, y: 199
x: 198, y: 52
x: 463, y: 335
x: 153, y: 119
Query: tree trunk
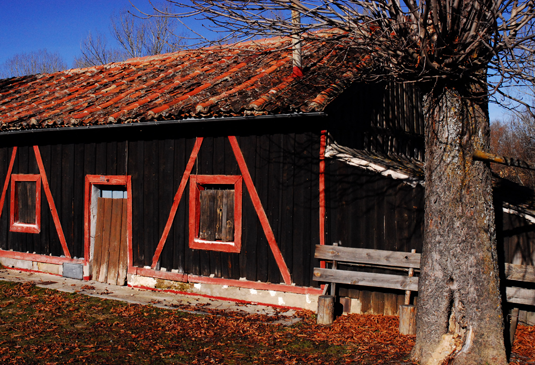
x: 460, y: 319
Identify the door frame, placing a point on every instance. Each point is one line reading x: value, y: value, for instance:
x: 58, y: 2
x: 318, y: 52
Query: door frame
x: 118, y: 180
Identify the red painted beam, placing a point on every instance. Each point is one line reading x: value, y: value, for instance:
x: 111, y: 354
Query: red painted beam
x: 323, y: 143
x: 166, y: 275
x: 260, y: 211
x: 33, y: 271
x: 176, y: 201
x: 214, y: 297
x: 254, y: 285
x: 38, y: 258
x: 50, y: 200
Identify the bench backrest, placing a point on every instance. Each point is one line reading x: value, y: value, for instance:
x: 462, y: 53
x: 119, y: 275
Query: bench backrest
x: 383, y: 258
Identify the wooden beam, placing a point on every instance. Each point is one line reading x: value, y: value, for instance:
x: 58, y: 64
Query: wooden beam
x: 176, y: 201
x: 366, y: 279
x: 368, y: 256
x: 51, y: 204
x: 502, y: 160
x: 520, y: 295
x: 260, y: 211
x: 520, y: 273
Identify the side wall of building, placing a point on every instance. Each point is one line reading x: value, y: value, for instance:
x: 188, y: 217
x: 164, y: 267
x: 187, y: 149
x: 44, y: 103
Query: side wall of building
x: 282, y: 162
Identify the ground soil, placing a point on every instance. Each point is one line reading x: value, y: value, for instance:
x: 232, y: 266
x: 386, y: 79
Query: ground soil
x: 43, y: 326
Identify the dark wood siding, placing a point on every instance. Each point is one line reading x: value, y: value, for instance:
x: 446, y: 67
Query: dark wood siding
x: 283, y: 166
x: 383, y: 118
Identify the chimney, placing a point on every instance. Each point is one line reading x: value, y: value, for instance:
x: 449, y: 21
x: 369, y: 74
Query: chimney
x: 296, y: 43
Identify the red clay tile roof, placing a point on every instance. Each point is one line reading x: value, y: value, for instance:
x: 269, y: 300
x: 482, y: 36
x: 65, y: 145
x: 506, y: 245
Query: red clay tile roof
x: 252, y: 78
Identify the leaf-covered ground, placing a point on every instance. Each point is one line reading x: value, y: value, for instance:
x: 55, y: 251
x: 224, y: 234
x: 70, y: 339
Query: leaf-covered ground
x: 41, y: 326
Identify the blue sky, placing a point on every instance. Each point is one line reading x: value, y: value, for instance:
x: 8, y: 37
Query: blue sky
x: 57, y: 25
x: 60, y: 26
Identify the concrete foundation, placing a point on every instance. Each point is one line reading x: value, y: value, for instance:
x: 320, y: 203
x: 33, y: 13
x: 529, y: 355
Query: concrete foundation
x: 16, y: 264
x: 255, y: 296
x: 270, y: 297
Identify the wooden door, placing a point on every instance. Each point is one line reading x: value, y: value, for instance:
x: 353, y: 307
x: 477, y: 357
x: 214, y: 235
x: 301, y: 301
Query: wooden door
x: 110, y: 251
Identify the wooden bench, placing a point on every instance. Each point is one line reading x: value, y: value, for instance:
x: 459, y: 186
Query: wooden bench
x: 516, y: 275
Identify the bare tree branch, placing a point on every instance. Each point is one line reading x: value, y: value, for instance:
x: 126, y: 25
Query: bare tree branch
x: 37, y: 62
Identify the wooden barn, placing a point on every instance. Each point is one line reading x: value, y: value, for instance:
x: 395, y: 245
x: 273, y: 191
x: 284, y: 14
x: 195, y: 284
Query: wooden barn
x: 214, y: 171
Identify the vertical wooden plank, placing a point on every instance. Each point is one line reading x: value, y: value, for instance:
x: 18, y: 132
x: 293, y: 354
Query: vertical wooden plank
x: 218, y: 229
x: 101, y: 158
x: 121, y: 155
x: 390, y: 304
x: 165, y: 198
x: 366, y: 301
x: 378, y: 302
x: 123, y: 246
x: 402, y: 218
x: 150, y: 201
x: 301, y: 227
x: 274, y: 202
x: 115, y: 240
x: 136, y: 171
x: 105, y: 247
x: 207, y: 219
x: 206, y: 165
x: 390, y: 215
x: 78, y: 201
x: 46, y: 218
x: 263, y: 256
x: 5, y: 167
x: 54, y: 197
x: 250, y: 219
x: 111, y: 157
x: 97, y: 250
x: 67, y: 189
x: 227, y: 217
x: 287, y: 187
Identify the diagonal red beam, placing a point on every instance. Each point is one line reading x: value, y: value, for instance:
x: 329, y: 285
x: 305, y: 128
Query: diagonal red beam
x: 260, y: 211
x: 6, y: 183
x: 176, y: 201
x: 50, y: 200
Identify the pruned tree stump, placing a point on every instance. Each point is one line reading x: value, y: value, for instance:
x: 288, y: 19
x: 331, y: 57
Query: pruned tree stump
x: 407, y: 319
x: 325, y: 309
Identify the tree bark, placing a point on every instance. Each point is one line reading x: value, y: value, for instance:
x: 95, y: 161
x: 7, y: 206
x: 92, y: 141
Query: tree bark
x: 460, y: 319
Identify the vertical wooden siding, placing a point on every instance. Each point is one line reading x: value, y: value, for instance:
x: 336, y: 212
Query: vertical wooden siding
x: 384, y: 118
x: 283, y: 168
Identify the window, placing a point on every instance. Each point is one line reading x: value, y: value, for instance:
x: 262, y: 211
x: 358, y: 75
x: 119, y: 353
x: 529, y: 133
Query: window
x: 215, y: 212
x: 25, y: 215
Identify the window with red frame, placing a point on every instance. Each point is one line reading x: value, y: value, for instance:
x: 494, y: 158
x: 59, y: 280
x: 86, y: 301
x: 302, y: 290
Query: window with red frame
x: 215, y: 213
x: 25, y: 215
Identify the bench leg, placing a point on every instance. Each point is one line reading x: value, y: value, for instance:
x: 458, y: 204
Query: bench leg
x: 513, y: 324
x: 325, y: 309
x: 407, y: 319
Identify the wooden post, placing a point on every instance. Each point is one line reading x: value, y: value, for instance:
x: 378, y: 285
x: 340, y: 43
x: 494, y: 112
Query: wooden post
x: 325, y: 309
x: 408, y: 292
x: 407, y: 319
x: 334, y: 267
x: 513, y: 324
x: 407, y: 312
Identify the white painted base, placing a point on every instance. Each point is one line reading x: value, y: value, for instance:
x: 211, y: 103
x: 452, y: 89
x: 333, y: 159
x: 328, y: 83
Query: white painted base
x: 269, y: 297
